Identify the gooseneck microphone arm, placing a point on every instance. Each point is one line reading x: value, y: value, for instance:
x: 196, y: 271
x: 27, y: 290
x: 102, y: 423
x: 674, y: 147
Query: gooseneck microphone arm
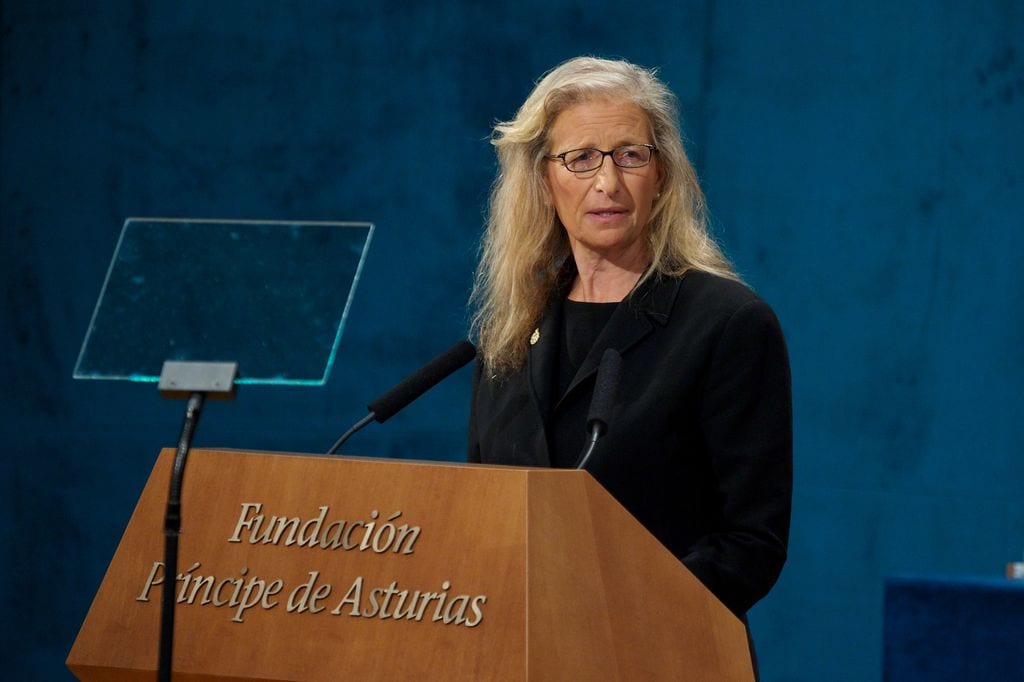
x: 351, y: 430
x: 412, y: 387
x: 606, y: 385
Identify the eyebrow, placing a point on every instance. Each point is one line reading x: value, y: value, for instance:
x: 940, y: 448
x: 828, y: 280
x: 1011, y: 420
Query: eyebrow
x: 594, y: 146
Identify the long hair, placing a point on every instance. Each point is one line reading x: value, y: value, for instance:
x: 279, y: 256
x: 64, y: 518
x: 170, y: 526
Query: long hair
x: 524, y: 247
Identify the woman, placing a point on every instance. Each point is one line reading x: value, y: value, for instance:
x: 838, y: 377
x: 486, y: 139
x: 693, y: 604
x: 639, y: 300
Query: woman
x: 597, y: 239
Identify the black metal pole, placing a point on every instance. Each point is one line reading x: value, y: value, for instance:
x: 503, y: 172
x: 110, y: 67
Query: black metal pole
x: 172, y: 529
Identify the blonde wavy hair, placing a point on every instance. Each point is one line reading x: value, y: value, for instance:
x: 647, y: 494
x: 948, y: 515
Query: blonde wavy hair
x: 524, y: 248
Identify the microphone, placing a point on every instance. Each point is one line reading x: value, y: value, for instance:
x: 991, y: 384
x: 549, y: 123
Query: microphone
x: 412, y: 387
x: 606, y: 385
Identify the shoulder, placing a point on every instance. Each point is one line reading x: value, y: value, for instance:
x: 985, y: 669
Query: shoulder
x: 700, y: 317
x: 720, y: 294
x: 743, y: 334
x: 711, y: 302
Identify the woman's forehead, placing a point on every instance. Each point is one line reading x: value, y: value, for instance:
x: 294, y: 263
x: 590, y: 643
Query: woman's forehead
x: 600, y: 123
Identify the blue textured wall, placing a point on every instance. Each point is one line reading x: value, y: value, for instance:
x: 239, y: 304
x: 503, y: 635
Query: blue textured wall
x: 863, y: 168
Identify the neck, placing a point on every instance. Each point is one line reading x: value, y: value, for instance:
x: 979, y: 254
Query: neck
x: 604, y: 281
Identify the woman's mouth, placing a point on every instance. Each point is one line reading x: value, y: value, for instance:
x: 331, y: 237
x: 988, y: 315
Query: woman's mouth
x: 607, y: 213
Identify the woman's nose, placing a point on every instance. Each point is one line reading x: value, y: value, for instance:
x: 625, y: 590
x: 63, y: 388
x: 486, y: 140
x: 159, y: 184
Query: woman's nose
x: 606, y: 178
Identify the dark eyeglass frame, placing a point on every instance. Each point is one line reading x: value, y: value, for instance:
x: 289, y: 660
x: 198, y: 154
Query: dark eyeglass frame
x: 603, y: 154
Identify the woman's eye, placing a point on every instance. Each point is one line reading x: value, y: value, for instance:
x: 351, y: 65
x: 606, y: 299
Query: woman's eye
x: 581, y: 156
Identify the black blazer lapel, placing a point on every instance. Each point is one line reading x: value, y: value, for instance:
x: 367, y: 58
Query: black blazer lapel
x: 636, y: 317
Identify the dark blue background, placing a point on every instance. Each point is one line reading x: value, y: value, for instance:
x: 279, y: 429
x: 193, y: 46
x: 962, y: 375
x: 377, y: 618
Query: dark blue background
x: 863, y: 167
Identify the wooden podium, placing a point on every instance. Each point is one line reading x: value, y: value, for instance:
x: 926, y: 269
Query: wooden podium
x: 314, y: 568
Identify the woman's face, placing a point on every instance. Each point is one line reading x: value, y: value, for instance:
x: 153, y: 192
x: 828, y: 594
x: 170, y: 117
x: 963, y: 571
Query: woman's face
x: 604, y: 211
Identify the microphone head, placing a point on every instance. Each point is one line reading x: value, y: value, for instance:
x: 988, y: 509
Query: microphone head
x: 606, y: 385
x: 422, y: 380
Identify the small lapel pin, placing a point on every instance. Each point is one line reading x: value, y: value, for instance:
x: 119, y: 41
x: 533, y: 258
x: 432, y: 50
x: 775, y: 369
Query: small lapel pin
x: 535, y: 337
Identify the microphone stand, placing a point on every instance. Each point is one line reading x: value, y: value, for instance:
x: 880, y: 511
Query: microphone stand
x: 172, y: 529
x: 597, y: 429
x: 177, y: 380
x: 606, y: 385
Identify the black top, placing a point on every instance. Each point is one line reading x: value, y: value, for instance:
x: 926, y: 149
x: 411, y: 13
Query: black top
x: 699, y: 447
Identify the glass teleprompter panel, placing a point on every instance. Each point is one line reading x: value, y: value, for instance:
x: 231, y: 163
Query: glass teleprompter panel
x: 270, y: 295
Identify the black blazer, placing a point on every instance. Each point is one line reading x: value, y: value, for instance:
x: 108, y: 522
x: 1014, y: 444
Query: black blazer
x: 699, y: 448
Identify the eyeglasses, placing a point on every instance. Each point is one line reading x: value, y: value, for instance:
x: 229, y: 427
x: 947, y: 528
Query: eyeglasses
x: 626, y: 156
